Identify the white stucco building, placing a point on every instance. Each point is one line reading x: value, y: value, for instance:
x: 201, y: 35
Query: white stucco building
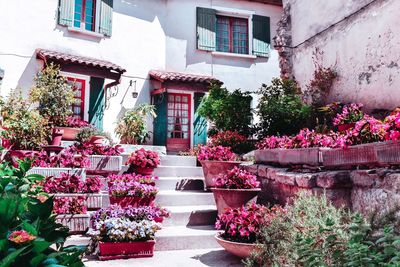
x: 111, y: 47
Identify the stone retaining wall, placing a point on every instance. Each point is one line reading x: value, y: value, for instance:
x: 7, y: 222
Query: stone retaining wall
x: 361, y: 190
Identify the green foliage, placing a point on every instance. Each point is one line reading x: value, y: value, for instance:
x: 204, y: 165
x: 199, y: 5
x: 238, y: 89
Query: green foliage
x: 132, y: 127
x: 53, y: 95
x: 26, y: 128
x: 281, y: 109
x: 86, y: 133
x: 23, y: 206
x: 228, y: 110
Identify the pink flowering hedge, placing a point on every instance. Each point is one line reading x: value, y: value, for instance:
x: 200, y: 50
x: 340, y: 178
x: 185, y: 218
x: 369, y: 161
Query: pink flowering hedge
x: 68, y: 183
x: 217, y: 153
x: 237, y: 179
x: 143, y: 158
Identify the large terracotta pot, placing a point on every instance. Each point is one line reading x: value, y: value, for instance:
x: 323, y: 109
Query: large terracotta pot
x: 57, y: 135
x: 242, y: 250
x: 214, y: 168
x: 233, y: 198
x: 70, y: 133
x: 97, y: 139
x: 126, y: 250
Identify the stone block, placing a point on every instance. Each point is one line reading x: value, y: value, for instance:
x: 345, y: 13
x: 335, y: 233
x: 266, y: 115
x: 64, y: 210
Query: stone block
x: 262, y: 170
x: 364, y: 178
x: 306, y: 180
x: 340, y: 197
x: 286, y: 178
x: 333, y: 179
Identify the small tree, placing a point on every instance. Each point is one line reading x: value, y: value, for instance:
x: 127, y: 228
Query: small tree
x: 228, y: 110
x: 53, y: 95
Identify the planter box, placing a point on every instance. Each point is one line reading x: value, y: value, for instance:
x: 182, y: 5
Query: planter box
x: 388, y: 153
x: 77, y: 223
x: 351, y: 156
x: 241, y: 250
x: 299, y: 156
x: 93, y: 201
x: 126, y: 250
x: 104, y: 165
x: 214, y: 168
x: 57, y: 171
x: 233, y: 198
x: 267, y: 156
x: 133, y: 201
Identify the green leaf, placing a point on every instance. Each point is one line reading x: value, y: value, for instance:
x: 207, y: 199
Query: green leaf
x: 37, y: 260
x: 10, y: 258
x: 29, y: 228
x: 40, y: 246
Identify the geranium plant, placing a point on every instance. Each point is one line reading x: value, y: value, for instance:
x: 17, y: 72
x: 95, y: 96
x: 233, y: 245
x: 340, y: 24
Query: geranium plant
x: 132, y: 177
x: 143, y: 158
x: 216, y: 153
x: 67, y: 158
x: 92, y: 185
x: 66, y: 183
x: 350, y: 114
x: 87, y: 148
x: 70, y: 205
x: 132, y: 189
x: 76, y: 122
x: 237, y: 142
x: 237, y: 179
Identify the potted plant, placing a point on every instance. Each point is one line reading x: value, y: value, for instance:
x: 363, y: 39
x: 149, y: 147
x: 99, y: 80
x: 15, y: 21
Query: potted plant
x: 240, y: 229
x: 235, y: 189
x: 72, y: 212
x: 143, y: 161
x: 132, y: 193
x: 92, y: 135
x: 132, y: 127
x: 348, y: 117
x: 71, y: 127
x: 131, y: 177
x: 215, y: 161
x: 124, y: 232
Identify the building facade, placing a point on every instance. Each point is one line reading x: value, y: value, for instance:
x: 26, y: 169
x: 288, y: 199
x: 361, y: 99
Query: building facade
x: 125, y: 52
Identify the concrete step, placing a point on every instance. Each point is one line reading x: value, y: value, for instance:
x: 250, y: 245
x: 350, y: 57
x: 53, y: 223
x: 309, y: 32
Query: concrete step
x: 182, y: 237
x: 180, y: 183
x: 191, y: 215
x: 184, y: 198
x: 178, y: 171
x: 173, y: 160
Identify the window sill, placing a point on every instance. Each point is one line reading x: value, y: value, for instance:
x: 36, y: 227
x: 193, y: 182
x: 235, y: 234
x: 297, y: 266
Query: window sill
x: 86, y: 32
x: 224, y: 54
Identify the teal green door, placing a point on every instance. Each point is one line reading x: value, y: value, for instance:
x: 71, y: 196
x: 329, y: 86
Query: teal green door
x: 199, y: 123
x: 96, y: 102
x: 160, y: 122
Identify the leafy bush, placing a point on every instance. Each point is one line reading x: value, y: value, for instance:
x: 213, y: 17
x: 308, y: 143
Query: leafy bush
x: 132, y: 127
x: 228, y: 110
x: 237, y: 142
x: 53, y: 95
x: 281, y: 109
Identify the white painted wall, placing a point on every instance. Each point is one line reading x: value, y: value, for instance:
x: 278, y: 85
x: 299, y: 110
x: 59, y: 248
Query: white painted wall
x: 153, y: 34
x: 364, y: 48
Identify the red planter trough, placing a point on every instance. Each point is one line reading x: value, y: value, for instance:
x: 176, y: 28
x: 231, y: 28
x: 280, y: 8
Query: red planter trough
x: 388, y: 153
x: 69, y: 133
x: 233, y: 198
x: 299, y: 156
x: 143, y: 171
x: 126, y: 250
x: 351, y: 156
x: 267, y: 155
x: 133, y: 201
x: 214, y: 168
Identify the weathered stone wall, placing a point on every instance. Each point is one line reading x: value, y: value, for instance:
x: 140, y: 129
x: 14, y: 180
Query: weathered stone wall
x: 361, y: 38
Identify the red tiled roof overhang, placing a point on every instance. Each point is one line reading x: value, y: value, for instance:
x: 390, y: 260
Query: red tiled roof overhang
x: 169, y: 76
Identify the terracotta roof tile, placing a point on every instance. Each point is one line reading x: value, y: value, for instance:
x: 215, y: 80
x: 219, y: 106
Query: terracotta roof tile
x: 88, y: 61
x: 164, y: 76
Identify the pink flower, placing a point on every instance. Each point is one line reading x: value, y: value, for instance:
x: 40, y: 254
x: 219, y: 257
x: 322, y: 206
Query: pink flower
x: 21, y: 237
x: 237, y: 179
x: 219, y: 153
x: 144, y: 159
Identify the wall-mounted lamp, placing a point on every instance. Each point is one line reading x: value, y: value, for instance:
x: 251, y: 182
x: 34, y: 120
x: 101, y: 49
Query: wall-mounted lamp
x: 1, y: 75
x: 134, y: 93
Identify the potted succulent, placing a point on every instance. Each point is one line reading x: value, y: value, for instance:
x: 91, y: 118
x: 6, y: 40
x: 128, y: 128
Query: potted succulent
x: 132, y: 193
x: 124, y: 232
x: 143, y: 161
x: 235, y: 189
x: 215, y: 161
x: 72, y: 212
x: 240, y: 229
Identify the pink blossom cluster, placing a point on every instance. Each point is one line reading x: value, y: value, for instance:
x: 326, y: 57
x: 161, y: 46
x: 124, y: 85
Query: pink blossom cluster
x: 219, y: 153
x: 143, y: 158
x: 132, y: 189
x: 227, y: 138
x: 67, y: 158
x: 70, y: 205
x: 75, y: 122
x: 237, y: 179
x: 21, y: 237
x: 128, y: 177
x: 350, y: 114
x: 87, y: 148
x: 71, y: 183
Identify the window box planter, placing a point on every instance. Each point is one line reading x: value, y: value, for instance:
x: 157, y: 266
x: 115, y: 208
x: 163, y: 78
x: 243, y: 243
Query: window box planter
x: 233, y: 198
x: 57, y: 171
x: 299, y: 156
x: 241, y: 250
x: 93, y: 201
x: 140, y: 170
x: 134, y: 201
x: 77, y: 223
x: 214, y: 168
x: 388, y: 153
x: 126, y: 250
x: 104, y: 165
x: 69, y: 133
x: 351, y: 156
x: 267, y: 156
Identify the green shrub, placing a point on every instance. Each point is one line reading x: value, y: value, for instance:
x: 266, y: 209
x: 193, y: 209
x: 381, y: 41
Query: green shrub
x: 281, y: 109
x: 228, y: 110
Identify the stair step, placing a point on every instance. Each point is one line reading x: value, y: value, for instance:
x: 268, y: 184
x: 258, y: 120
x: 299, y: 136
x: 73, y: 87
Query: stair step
x: 173, y: 160
x: 191, y: 215
x: 178, y: 171
x: 181, y: 238
x: 180, y: 183
x: 184, y: 198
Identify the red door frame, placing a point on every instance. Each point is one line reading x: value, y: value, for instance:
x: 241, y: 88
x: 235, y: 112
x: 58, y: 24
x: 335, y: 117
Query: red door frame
x: 174, y: 144
x: 83, y: 83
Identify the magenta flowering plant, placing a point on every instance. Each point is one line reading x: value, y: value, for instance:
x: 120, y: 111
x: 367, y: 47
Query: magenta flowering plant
x: 70, y: 205
x: 237, y: 179
x: 132, y: 189
x: 66, y: 183
x: 129, y: 177
x: 217, y: 153
x: 87, y: 148
x: 351, y: 113
x: 67, y: 158
x: 75, y: 122
x: 143, y: 158
x: 92, y: 185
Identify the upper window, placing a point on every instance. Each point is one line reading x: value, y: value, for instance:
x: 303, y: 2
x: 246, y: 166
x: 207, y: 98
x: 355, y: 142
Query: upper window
x: 232, y: 35
x: 85, y: 14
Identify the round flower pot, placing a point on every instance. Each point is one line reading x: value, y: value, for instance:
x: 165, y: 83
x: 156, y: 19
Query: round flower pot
x: 143, y: 171
x: 242, y: 250
x: 233, y: 198
x: 56, y: 135
x: 70, y: 133
x: 214, y: 168
x: 126, y: 250
x: 97, y: 139
x: 133, y: 201
x: 345, y: 127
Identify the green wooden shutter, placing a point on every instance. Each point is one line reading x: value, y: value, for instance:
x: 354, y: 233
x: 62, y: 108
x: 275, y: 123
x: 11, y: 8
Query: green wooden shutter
x: 160, y: 122
x: 199, y: 123
x: 206, y: 25
x: 66, y: 12
x: 261, y: 36
x: 96, y: 102
x: 106, y: 13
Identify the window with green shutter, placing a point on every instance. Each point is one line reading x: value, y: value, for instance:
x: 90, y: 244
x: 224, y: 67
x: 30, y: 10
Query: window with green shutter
x: 261, y: 36
x: 206, y: 24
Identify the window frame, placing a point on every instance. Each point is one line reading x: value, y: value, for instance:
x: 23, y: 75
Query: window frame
x: 231, y: 20
x: 82, y: 21
x: 86, y: 93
